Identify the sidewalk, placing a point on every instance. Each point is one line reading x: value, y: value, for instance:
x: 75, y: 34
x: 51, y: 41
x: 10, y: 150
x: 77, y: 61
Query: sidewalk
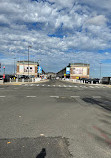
x: 22, y: 83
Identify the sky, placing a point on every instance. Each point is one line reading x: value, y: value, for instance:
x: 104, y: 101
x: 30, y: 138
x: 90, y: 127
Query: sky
x: 59, y: 31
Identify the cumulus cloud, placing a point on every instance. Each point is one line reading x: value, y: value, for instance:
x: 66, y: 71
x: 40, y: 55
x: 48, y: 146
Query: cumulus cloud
x: 98, y: 20
x: 56, y: 29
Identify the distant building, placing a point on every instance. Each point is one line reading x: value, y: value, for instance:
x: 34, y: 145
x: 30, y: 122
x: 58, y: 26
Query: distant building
x: 22, y: 68
x: 77, y: 70
x: 51, y: 75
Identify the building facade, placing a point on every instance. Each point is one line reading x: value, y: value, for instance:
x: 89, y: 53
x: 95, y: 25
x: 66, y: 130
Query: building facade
x: 77, y: 70
x: 22, y: 68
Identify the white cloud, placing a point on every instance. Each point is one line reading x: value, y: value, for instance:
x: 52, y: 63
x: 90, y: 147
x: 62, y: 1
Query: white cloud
x: 98, y: 20
x: 29, y: 22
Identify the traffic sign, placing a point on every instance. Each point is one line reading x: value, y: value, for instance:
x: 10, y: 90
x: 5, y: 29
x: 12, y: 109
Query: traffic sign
x: 67, y: 70
x: 3, y: 75
x: 39, y: 69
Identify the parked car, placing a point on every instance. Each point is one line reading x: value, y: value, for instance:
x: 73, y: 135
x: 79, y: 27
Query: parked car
x: 106, y: 80
x: 1, y: 77
x: 24, y: 76
x: 95, y: 80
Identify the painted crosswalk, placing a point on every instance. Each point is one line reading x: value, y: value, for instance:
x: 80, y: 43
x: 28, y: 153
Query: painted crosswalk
x: 65, y: 86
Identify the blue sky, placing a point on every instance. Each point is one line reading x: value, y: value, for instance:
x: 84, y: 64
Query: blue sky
x: 59, y: 31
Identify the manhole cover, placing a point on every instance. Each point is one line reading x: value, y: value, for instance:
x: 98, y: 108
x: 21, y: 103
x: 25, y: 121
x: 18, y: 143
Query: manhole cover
x: 40, y: 147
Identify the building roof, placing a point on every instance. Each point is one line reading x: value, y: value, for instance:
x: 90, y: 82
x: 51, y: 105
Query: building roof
x: 79, y: 64
x: 26, y: 62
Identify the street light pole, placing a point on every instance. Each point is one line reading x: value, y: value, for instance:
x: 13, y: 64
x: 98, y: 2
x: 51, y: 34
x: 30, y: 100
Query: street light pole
x: 28, y: 59
x: 14, y: 66
x: 100, y: 70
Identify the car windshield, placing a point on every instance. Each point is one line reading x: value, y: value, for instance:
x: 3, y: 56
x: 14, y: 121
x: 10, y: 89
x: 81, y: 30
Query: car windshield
x: 55, y: 79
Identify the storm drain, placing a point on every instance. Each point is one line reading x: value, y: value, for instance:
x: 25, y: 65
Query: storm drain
x: 40, y: 147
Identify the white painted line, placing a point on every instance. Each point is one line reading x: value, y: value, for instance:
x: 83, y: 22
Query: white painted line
x: 75, y: 86
x: 91, y: 86
x: 31, y: 96
x: 31, y: 84
x: 54, y: 96
x: 48, y: 85
x: 2, y: 96
x: 59, y: 85
x: 98, y: 97
x: 37, y: 85
x: 43, y: 85
x: 53, y: 85
x: 75, y: 96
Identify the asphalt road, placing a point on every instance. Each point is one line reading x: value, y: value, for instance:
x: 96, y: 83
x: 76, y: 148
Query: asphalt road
x: 67, y: 119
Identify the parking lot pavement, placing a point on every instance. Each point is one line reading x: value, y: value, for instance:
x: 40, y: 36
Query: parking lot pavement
x: 55, y: 109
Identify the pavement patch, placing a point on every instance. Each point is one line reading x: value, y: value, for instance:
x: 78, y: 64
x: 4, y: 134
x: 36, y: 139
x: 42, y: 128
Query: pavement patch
x: 33, y: 147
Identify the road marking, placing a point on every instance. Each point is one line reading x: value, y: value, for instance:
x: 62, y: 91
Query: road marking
x: 2, y: 96
x: 70, y: 86
x: 91, y: 86
x: 43, y: 85
x: 97, y: 86
x: 37, y: 85
x: 98, y: 97
x: 54, y: 96
x: 53, y: 85
x: 31, y: 96
x: 59, y: 85
x: 2, y: 88
x: 75, y: 96
x: 31, y: 84
x: 48, y: 85
x: 75, y: 86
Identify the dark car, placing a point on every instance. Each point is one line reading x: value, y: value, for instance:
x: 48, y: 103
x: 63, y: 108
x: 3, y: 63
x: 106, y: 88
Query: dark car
x: 24, y: 76
x: 96, y: 80
x: 1, y: 77
x: 106, y: 80
x: 7, y: 78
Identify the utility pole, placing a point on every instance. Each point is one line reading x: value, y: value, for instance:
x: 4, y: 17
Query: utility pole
x: 100, y: 70
x: 28, y: 59
x: 14, y: 65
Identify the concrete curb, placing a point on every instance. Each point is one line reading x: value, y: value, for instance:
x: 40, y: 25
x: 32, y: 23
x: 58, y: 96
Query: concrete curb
x: 22, y: 83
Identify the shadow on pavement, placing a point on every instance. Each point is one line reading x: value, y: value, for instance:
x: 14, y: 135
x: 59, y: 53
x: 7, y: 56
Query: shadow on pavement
x: 102, y: 103
x: 42, y: 154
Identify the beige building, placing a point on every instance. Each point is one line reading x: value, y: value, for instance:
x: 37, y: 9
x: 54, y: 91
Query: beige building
x: 22, y: 68
x: 79, y: 70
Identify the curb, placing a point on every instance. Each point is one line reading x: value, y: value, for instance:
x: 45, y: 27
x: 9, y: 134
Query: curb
x: 22, y: 83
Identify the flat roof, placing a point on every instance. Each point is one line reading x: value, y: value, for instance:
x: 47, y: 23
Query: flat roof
x: 26, y: 62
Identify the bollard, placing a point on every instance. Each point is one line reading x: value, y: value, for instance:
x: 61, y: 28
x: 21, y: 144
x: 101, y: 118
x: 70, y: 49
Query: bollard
x: 32, y: 79
x: 81, y: 81
x: 22, y: 79
x: 16, y: 79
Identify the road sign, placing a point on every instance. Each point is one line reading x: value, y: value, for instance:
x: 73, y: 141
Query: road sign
x: 67, y: 70
x: 39, y: 69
